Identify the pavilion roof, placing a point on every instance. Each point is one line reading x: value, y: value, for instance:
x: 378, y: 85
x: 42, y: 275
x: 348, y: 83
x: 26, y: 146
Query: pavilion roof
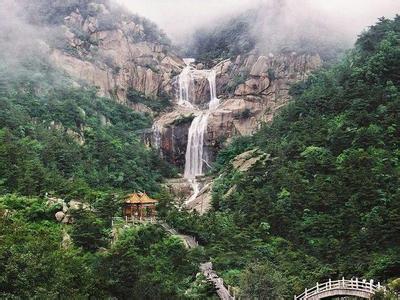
x: 139, y: 198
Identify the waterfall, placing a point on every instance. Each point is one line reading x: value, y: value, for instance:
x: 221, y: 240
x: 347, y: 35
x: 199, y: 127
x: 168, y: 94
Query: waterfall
x: 214, y: 101
x: 185, y: 80
x: 156, y: 137
x: 195, y: 147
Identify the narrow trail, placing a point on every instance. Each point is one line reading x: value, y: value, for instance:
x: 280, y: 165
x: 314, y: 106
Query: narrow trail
x: 205, y: 268
x: 189, y: 241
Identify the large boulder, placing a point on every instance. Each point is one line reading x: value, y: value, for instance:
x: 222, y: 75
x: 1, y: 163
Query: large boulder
x: 59, y: 216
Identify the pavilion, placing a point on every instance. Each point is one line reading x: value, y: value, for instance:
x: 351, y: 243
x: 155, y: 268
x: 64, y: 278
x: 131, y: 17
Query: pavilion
x: 139, y: 206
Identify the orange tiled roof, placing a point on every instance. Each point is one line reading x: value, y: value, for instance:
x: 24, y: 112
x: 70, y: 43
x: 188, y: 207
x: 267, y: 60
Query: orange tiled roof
x: 139, y: 198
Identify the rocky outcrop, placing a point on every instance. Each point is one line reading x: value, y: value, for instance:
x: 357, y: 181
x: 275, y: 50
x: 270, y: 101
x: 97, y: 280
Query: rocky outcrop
x: 181, y: 189
x: 251, y: 89
x: 172, y: 129
x: 246, y: 160
x: 202, y: 203
x: 109, y: 52
x: 64, y: 214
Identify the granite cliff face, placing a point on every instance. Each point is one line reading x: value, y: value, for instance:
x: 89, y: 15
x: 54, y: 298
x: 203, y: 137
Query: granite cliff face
x: 115, y: 52
x: 251, y: 88
x: 123, y: 55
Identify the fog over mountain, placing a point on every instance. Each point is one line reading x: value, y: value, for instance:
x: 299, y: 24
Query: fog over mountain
x: 179, y: 18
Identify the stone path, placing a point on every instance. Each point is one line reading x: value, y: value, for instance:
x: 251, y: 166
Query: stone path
x: 189, y: 241
x: 205, y: 268
x: 209, y: 273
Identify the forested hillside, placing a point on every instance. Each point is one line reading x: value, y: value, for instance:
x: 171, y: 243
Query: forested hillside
x: 323, y: 200
x: 60, y: 139
x: 60, y: 142
x: 319, y: 196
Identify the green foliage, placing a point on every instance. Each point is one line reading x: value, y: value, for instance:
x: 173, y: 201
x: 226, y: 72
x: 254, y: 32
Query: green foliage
x: 88, y: 231
x: 236, y: 81
x: 331, y: 186
x: 145, y: 263
x: 65, y: 140
x: 30, y: 254
x: 263, y: 282
x: 237, y: 146
x: 157, y: 105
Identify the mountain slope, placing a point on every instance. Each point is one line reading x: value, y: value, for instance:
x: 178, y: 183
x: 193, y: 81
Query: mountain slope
x: 320, y: 198
x: 99, y: 43
x: 273, y: 27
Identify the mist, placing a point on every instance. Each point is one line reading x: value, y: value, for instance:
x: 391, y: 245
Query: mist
x: 180, y: 18
x: 24, y: 49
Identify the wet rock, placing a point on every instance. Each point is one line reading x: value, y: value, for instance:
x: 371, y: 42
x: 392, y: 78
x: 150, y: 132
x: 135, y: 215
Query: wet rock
x: 202, y: 203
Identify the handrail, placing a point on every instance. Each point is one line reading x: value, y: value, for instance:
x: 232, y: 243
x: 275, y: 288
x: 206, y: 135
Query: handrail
x: 353, y: 284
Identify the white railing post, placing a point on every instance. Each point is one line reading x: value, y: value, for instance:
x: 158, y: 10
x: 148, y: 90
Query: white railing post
x: 379, y: 285
x: 356, y: 282
x: 294, y: 297
x: 342, y: 281
x: 317, y: 287
x: 371, y: 283
x: 305, y: 293
x: 330, y: 284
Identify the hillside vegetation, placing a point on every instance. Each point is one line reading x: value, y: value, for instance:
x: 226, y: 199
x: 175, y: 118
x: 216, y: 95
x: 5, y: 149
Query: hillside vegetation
x: 324, y: 201
x: 65, y: 140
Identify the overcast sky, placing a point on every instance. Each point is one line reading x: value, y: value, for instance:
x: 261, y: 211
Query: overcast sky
x: 178, y: 18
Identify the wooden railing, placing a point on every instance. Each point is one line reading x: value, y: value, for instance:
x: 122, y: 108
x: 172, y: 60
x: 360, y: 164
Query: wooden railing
x: 352, y: 284
x: 132, y: 220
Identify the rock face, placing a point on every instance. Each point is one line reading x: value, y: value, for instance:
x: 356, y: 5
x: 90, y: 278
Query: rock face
x: 123, y: 56
x: 109, y: 50
x: 173, y: 131
x: 245, y: 161
x: 251, y: 88
x: 202, y: 203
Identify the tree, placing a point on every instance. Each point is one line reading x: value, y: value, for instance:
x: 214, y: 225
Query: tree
x: 262, y: 281
x: 88, y: 230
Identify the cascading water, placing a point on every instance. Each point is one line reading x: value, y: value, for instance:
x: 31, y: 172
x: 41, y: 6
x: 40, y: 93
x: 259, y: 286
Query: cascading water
x: 185, y: 81
x: 214, y: 101
x: 156, y: 137
x: 195, y: 147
